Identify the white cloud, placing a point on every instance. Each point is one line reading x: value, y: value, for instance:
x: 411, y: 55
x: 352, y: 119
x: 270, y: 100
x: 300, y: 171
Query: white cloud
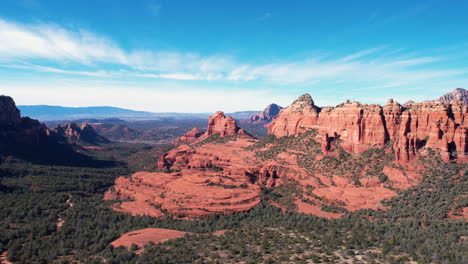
x: 52, y: 42
x: 264, y: 17
x: 54, y: 49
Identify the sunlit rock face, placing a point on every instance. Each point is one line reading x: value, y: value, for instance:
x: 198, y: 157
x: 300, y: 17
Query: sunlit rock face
x: 433, y: 124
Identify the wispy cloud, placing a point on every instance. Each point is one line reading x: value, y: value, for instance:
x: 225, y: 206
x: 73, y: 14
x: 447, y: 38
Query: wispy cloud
x: 154, y: 8
x: 54, y: 49
x: 264, y: 16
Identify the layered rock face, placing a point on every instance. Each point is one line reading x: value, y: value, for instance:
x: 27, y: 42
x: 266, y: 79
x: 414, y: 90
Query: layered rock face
x: 316, y: 157
x: 210, y: 180
x: 190, y: 136
x: 220, y: 177
x: 267, y: 115
x: 203, y: 184
x: 458, y: 94
x: 292, y: 120
x: 433, y: 124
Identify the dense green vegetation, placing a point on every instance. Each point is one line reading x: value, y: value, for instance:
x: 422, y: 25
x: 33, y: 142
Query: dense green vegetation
x: 415, y: 226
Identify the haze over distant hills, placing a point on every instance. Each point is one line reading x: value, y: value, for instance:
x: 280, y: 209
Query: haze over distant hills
x: 50, y: 112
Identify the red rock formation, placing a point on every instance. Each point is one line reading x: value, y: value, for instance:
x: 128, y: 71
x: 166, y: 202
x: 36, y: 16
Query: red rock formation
x: 145, y: 236
x: 292, y: 120
x: 222, y: 125
x: 216, y: 177
x: 190, y: 136
x: 433, y: 124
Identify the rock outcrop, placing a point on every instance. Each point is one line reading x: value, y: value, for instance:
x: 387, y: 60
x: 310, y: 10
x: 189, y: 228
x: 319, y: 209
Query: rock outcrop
x: 9, y: 114
x: 79, y: 134
x: 318, y: 158
x: 190, y: 136
x: 31, y: 140
x: 145, y: 236
x: 434, y: 124
x: 459, y: 94
x: 223, y: 126
x: 292, y: 120
x: 267, y: 115
x: 17, y: 132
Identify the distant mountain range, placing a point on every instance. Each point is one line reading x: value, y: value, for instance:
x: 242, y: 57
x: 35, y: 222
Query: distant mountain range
x: 50, y: 113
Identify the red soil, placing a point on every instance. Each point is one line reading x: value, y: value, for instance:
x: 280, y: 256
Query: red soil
x: 356, y: 198
x: 461, y: 213
x: 145, y: 236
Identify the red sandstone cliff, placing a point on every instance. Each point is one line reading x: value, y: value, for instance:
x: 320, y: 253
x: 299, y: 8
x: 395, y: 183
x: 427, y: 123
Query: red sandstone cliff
x: 437, y: 125
x: 225, y: 176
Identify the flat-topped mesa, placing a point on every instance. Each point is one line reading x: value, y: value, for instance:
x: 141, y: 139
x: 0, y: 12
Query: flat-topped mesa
x: 433, y: 124
x: 190, y: 136
x: 9, y: 113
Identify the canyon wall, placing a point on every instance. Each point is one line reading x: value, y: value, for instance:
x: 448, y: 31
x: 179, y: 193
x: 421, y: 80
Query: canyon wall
x: 411, y: 128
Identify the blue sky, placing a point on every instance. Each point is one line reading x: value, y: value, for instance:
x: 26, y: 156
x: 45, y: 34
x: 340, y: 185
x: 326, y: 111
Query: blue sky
x: 203, y: 56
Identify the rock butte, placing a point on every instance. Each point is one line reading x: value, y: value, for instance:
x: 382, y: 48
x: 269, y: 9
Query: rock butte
x: 213, y: 176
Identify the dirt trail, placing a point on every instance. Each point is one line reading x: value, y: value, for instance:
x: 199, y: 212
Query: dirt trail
x: 60, y: 221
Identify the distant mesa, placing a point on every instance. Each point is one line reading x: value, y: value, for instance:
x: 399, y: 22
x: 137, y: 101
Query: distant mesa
x: 79, y: 134
x: 459, y: 94
x: 267, y: 115
x: 408, y: 103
